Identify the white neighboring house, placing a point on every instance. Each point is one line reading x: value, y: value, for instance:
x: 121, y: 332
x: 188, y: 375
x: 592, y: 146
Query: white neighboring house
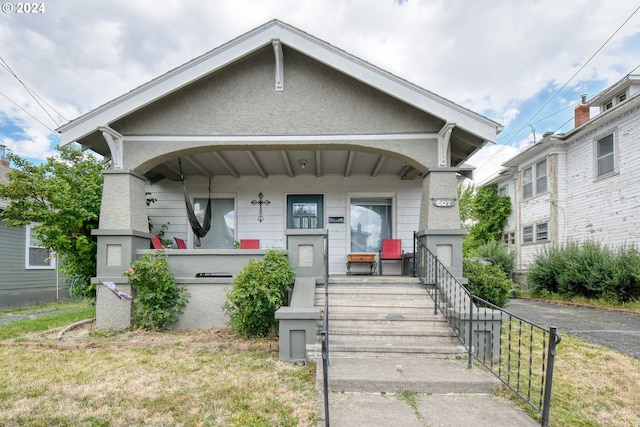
x: 581, y: 185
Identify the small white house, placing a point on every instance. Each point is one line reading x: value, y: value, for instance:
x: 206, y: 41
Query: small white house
x: 581, y: 185
x: 288, y: 136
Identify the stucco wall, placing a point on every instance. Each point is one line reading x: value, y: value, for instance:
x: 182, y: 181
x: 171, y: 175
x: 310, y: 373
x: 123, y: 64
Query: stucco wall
x: 241, y: 100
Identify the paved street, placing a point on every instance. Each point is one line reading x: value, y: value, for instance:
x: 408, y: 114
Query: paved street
x: 618, y: 330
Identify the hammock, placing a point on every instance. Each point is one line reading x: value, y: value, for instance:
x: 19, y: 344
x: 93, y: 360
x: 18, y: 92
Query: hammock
x: 198, y: 230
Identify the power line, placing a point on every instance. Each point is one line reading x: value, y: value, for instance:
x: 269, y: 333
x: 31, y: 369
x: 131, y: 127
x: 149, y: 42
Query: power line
x: 31, y: 115
x: 577, y: 72
x: 37, y: 98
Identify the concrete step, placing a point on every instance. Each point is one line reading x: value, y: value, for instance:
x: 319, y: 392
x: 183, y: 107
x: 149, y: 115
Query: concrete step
x: 404, y: 374
x: 373, y: 318
x: 377, y: 349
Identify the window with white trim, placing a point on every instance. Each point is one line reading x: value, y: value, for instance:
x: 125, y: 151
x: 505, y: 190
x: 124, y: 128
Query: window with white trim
x: 535, y: 233
x: 36, y: 256
x: 542, y: 232
x: 534, y: 180
x: 605, y: 156
x: 222, y: 232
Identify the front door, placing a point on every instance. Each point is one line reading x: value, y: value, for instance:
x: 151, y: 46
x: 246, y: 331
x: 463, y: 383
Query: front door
x: 305, y: 211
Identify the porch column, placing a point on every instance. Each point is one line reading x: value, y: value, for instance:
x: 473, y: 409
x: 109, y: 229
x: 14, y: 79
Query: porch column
x: 123, y: 229
x: 440, y: 226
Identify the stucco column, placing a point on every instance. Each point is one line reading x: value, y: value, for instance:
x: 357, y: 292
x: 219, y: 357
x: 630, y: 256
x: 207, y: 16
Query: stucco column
x: 123, y: 230
x: 440, y: 226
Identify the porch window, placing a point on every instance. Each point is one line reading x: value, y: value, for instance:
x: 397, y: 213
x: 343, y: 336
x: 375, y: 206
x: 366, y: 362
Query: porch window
x: 305, y: 211
x: 222, y: 232
x: 36, y: 255
x: 371, y: 221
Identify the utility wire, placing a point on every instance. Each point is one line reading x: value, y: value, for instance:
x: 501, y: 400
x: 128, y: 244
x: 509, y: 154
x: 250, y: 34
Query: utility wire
x: 31, y: 92
x: 577, y: 72
x: 31, y: 115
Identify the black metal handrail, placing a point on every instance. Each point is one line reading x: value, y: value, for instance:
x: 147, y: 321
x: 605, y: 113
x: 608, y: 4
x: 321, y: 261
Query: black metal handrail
x: 518, y: 352
x: 325, y: 333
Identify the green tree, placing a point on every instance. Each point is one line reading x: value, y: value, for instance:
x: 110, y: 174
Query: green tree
x: 484, y: 213
x: 62, y: 197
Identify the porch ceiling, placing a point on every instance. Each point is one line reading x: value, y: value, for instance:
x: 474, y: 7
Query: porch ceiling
x: 265, y: 163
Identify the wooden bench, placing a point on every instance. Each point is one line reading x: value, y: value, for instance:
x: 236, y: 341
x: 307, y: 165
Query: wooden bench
x: 362, y: 258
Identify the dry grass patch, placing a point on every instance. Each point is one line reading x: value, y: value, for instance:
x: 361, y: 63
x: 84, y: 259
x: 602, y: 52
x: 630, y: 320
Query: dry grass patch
x: 162, y: 385
x: 594, y: 386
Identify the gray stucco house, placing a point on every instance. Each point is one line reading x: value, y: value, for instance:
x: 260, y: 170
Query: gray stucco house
x: 28, y: 273
x: 291, y: 138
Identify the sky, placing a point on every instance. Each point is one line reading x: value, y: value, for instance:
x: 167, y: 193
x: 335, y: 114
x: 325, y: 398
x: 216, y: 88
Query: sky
x: 522, y: 63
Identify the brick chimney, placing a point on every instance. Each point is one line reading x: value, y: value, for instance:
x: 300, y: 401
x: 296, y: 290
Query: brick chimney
x: 582, y: 112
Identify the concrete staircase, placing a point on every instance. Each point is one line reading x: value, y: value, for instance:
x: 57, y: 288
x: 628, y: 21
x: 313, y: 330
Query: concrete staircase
x: 384, y: 316
x: 385, y: 337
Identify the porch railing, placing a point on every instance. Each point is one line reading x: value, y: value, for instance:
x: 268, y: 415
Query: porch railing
x: 325, y: 334
x: 518, y: 352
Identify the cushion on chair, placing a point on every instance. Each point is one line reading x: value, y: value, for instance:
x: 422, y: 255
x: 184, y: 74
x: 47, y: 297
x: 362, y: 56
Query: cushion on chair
x: 181, y: 243
x: 249, y: 244
x: 156, y: 243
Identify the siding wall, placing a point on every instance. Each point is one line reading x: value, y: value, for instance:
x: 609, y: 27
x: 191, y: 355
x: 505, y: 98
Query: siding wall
x: 605, y: 210
x: 169, y: 207
x: 21, y: 287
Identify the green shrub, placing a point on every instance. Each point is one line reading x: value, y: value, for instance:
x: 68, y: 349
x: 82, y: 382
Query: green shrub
x: 257, y: 292
x: 588, y: 270
x: 501, y: 254
x: 488, y: 282
x: 158, y: 301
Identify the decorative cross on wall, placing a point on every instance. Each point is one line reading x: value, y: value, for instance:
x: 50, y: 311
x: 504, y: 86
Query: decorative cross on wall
x: 260, y: 202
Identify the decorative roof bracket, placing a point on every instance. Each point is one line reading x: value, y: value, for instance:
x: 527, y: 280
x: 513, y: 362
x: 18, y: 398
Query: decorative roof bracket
x: 444, y: 145
x: 114, y: 141
x: 277, y: 50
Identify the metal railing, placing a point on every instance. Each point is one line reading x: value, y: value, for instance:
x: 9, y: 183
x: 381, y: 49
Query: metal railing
x: 324, y: 336
x: 518, y: 352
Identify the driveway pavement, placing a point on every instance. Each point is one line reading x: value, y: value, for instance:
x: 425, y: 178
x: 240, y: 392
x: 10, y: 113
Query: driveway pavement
x: 617, y: 330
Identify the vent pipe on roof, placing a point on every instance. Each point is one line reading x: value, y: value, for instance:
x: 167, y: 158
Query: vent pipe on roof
x: 582, y: 113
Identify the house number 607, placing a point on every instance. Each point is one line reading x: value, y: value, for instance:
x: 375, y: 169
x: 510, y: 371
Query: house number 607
x: 444, y: 203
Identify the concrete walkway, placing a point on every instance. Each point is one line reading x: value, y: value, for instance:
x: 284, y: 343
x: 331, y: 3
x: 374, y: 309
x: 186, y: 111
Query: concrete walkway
x: 414, y: 392
x: 615, y: 329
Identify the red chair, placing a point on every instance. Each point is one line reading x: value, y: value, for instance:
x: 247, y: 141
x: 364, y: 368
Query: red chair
x: 249, y: 244
x: 181, y: 243
x: 156, y: 243
x: 392, y: 251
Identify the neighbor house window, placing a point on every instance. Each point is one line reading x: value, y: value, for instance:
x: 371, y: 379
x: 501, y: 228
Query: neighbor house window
x: 371, y: 221
x: 534, y: 180
x: 36, y: 255
x: 222, y: 232
x: 502, y: 191
x: 527, y: 234
x: 542, y: 232
x: 605, y: 156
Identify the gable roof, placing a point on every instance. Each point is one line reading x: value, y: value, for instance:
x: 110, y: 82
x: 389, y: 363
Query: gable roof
x: 240, y: 47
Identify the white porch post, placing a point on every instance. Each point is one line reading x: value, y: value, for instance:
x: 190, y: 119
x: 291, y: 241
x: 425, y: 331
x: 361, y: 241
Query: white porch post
x: 122, y: 231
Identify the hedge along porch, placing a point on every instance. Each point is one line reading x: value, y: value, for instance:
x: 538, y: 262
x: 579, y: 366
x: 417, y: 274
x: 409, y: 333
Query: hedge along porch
x: 331, y: 142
